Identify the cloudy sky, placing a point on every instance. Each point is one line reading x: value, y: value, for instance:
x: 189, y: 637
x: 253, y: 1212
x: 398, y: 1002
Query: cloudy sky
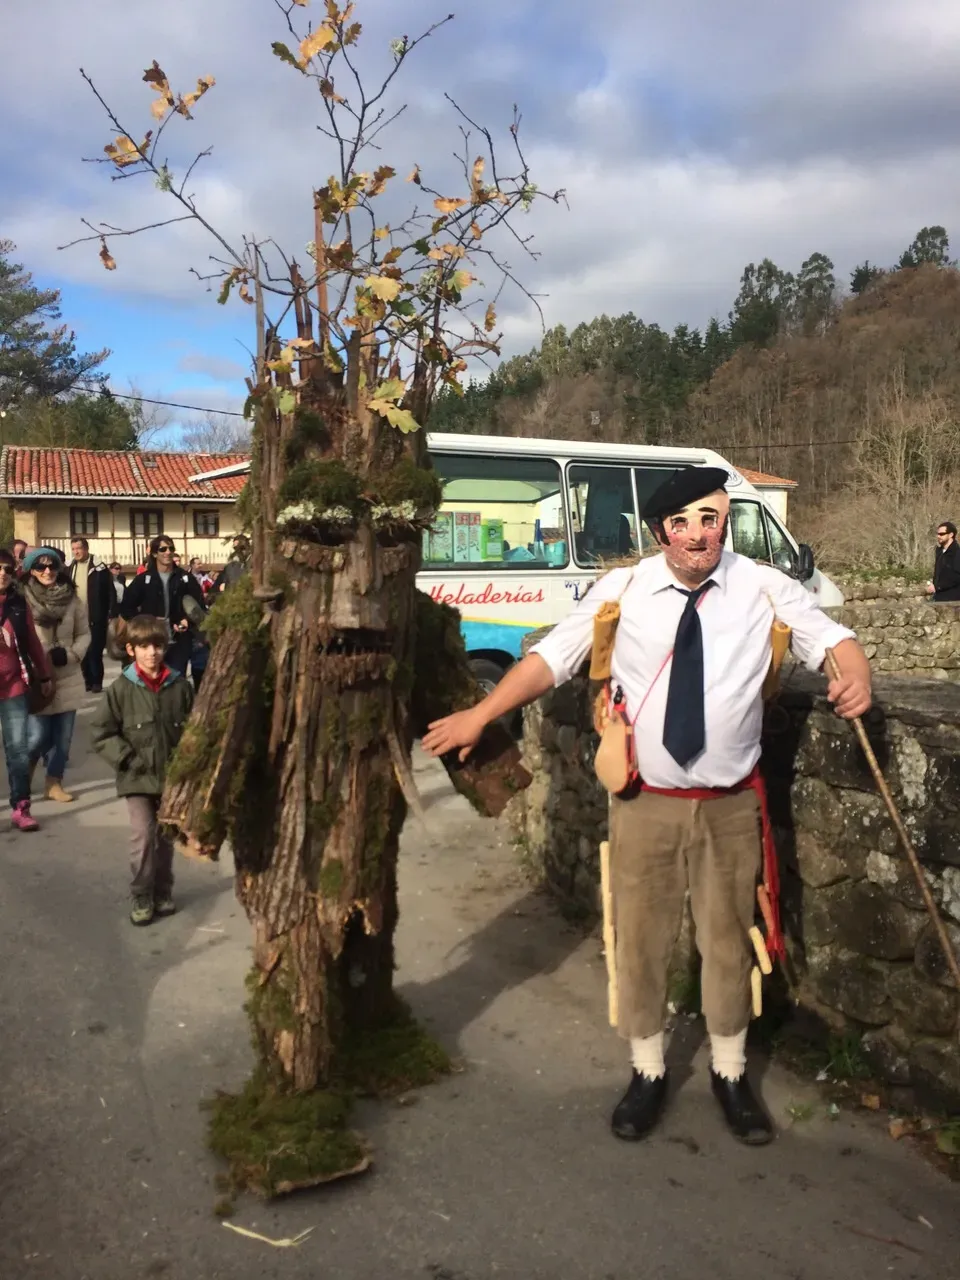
x: 691, y: 137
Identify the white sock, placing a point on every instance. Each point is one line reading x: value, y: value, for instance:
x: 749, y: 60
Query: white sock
x: 647, y: 1055
x: 729, y: 1055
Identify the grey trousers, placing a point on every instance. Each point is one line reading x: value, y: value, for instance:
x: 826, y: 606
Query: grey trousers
x: 151, y: 852
x: 661, y: 846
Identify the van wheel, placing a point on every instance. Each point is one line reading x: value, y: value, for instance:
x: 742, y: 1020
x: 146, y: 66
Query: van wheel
x: 488, y: 675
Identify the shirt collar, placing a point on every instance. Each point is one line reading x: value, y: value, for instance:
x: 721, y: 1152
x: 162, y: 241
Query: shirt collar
x: 661, y: 578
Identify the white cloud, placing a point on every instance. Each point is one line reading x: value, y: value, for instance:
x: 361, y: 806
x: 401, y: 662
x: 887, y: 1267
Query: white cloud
x: 691, y: 137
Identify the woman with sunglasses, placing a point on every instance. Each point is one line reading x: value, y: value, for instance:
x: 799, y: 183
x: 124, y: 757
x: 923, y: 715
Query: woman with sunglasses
x: 167, y: 591
x: 22, y: 661
x: 64, y: 631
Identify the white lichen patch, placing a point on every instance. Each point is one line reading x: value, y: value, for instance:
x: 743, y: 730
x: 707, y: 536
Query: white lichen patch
x: 912, y: 768
x: 882, y: 869
x: 950, y: 892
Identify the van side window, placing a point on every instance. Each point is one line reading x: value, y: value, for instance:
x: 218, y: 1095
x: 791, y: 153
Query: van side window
x: 747, y: 529
x: 781, y: 552
x: 602, y: 512
x: 498, y: 512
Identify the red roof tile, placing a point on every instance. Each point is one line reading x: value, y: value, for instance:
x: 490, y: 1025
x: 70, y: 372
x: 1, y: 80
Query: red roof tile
x: 761, y: 478
x: 91, y: 473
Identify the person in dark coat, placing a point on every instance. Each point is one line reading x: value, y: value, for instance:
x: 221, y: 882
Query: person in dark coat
x: 95, y: 590
x: 173, y: 594
x: 946, y: 564
x: 236, y: 566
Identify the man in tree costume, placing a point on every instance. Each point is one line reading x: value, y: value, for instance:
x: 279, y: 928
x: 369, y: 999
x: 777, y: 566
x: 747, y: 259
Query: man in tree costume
x: 692, y: 651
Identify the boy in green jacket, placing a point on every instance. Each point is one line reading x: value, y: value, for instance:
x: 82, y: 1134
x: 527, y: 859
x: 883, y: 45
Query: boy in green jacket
x: 137, y: 726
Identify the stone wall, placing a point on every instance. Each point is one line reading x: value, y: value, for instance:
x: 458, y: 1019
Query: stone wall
x: 863, y: 954
x: 900, y: 629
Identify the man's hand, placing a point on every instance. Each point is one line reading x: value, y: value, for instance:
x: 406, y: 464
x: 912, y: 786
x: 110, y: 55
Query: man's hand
x: 181, y: 626
x: 46, y: 686
x: 851, y: 696
x: 930, y: 588
x: 462, y: 729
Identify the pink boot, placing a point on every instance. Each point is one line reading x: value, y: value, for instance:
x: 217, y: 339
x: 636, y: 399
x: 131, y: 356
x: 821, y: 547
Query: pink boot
x: 22, y: 818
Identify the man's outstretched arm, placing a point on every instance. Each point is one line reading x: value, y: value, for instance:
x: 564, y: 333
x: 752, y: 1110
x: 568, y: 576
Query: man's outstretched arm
x: 527, y: 681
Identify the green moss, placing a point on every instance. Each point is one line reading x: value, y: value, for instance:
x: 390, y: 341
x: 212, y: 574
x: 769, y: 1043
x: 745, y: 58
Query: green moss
x: 197, y: 751
x: 310, y: 432
x: 390, y: 1059
x: 224, y: 1208
x: 270, y: 1003
x: 274, y: 1140
x: 408, y: 482
x: 331, y: 878
x: 244, y: 510
x: 236, y: 610
x: 326, y: 483
x: 376, y: 825
x: 442, y: 679
x: 367, y: 724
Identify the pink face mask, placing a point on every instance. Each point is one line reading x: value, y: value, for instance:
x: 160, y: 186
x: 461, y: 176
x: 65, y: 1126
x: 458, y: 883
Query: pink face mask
x: 693, y: 538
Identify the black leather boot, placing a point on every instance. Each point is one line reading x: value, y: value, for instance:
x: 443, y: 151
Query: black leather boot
x: 640, y: 1107
x: 744, y: 1114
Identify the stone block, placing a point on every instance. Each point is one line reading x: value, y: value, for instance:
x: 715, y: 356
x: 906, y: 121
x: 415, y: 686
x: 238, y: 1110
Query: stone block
x: 568, y: 741
x: 816, y: 863
x: 860, y: 917
x: 935, y: 1070
x: 929, y: 957
x: 852, y: 984
x: 939, y: 842
x: 894, y: 875
x: 886, y: 1056
x: 816, y: 807
x: 922, y: 1006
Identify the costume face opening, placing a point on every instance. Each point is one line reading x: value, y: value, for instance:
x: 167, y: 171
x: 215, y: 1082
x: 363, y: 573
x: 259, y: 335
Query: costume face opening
x: 693, y: 537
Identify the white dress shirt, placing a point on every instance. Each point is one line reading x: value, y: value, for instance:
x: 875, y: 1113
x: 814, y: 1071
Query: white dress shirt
x: 736, y: 614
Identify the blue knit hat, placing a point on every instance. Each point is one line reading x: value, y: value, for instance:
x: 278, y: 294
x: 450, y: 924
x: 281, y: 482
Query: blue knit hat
x: 41, y: 553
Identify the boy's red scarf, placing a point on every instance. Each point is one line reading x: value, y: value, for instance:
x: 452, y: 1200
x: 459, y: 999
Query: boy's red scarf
x: 154, y: 683
x: 771, y: 871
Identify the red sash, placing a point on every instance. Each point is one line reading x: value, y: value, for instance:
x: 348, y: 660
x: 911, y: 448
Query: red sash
x: 771, y: 870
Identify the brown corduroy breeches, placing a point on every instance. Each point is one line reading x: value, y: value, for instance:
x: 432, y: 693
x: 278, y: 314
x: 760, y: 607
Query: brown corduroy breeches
x: 661, y: 846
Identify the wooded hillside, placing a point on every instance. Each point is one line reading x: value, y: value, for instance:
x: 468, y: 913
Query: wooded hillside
x: 855, y: 398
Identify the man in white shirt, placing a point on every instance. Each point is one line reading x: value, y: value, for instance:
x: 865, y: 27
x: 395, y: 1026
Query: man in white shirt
x: 692, y: 650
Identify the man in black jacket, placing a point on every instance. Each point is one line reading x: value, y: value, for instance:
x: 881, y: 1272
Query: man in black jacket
x: 946, y: 564
x: 167, y: 591
x: 95, y: 589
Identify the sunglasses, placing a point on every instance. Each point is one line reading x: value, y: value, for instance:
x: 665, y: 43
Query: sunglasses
x: 7, y: 568
x: 159, y: 549
x: 46, y: 567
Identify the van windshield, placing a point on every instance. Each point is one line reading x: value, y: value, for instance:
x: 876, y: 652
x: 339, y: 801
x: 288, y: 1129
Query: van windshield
x: 498, y: 512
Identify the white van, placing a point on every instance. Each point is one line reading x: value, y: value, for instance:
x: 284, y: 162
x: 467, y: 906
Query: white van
x: 526, y: 526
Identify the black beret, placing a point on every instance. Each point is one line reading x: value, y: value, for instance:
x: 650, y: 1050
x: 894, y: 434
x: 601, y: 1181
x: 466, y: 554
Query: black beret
x: 681, y: 488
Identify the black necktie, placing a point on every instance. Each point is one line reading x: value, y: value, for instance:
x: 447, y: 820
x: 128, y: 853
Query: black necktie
x: 683, y: 724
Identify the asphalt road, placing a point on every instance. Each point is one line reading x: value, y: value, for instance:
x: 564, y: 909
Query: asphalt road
x: 112, y: 1036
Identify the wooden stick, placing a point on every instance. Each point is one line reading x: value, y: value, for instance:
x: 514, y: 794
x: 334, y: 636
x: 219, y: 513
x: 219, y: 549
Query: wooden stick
x: 766, y: 910
x: 756, y: 991
x: 763, y: 957
x: 951, y: 959
x: 609, y: 937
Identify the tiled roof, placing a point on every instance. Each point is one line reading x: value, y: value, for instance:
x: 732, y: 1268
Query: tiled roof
x: 761, y: 478
x: 92, y: 473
